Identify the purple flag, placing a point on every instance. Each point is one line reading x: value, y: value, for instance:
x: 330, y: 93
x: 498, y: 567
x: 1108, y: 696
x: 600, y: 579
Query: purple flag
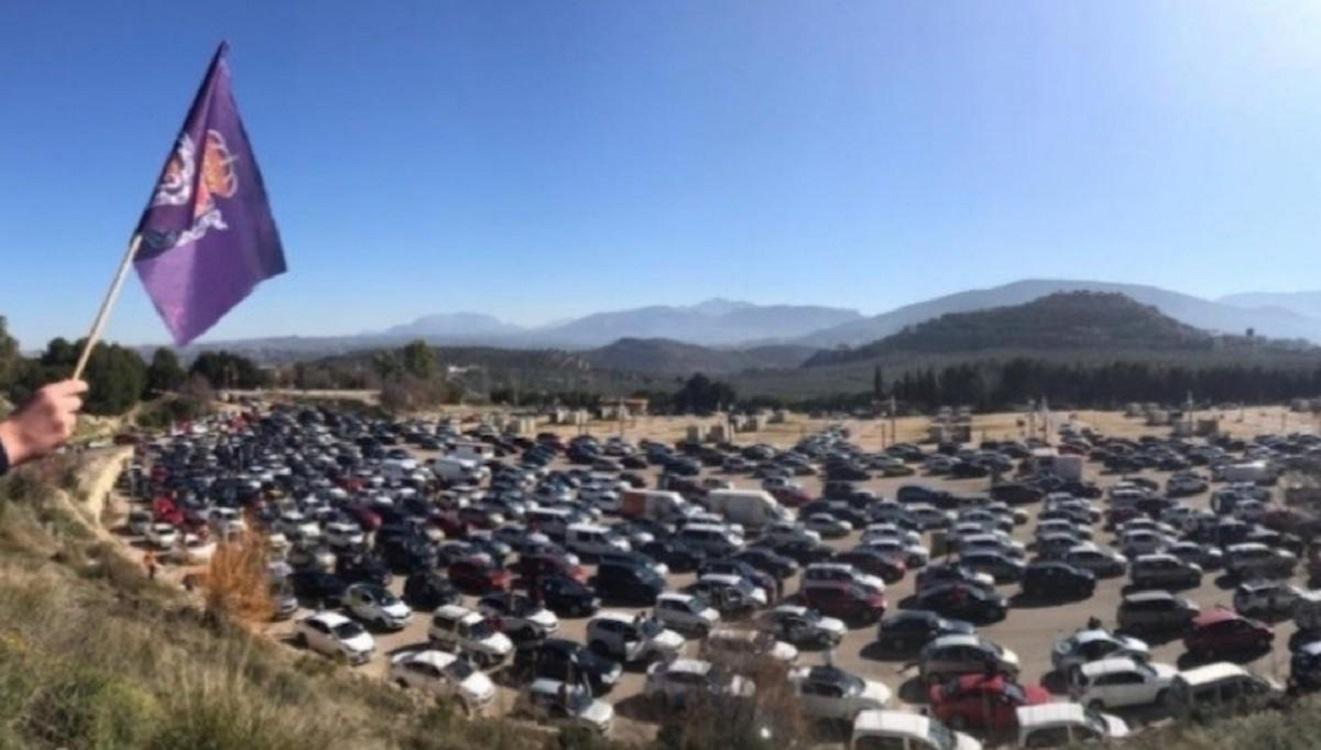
x: 208, y: 237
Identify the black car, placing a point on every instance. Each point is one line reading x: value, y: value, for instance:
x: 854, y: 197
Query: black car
x: 907, y: 631
x: 874, y: 562
x: 564, y: 660
x: 427, y: 590
x: 1057, y: 580
x: 768, y: 561
x: 968, y: 470
x: 628, y: 583
x: 318, y: 588
x: 964, y: 602
x: 802, y: 551
x: 1017, y: 494
x: 676, y: 555
x: 408, y: 555
x: 363, y: 569
x: 568, y: 597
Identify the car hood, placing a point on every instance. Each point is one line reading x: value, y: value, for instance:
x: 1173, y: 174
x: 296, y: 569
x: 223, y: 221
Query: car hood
x: 545, y: 618
x: 1009, y: 657
x: 497, y: 643
x: 668, y: 640
x: 478, y: 687
x: 359, y: 643
x: 1164, y: 672
x: 710, y: 614
x: 398, y: 611
x: 832, y: 625
x: 1135, y: 644
x: 784, y: 652
x: 877, y: 694
x: 599, y: 714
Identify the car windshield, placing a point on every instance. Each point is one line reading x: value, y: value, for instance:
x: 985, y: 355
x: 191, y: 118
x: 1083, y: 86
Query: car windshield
x: 482, y: 629
x: 650, y: 627
x: 347, y: 630
x: 459, y: 669
x: 1015, y: 693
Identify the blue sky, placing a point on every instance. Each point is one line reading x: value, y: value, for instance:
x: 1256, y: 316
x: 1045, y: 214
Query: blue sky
x: 538, y: 160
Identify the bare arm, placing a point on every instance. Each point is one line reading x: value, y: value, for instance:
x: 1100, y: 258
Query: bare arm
x: 42, y: 424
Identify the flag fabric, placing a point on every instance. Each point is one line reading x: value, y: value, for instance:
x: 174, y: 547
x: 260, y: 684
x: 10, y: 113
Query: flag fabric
x: 207, y: 235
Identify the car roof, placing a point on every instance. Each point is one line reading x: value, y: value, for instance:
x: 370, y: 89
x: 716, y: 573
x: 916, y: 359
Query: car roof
x: 329, y: 619
x: 690, y: 666
x: 892, y: 723
x: 453, y: 611
x: 1051, y: 713
x: 1212, y: 672
x: 1150, y: 596
x: 1215, y: 615
x: 956, y: 639
x: 438, y: 659
x: 1112, y: 664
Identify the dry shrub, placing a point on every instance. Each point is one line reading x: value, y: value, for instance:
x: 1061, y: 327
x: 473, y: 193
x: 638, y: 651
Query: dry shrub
x: 236, y: 584
x: 771, y: 720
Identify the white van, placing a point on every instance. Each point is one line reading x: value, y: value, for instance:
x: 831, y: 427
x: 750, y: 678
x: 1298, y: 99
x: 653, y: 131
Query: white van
x: 751, y: 508
x: 900, y: 730
x: 1060, y: 724
x: 1219, y: 689
x: 591, y: 540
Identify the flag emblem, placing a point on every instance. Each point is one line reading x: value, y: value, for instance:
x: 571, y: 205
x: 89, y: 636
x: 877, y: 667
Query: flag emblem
x: 176, y: 187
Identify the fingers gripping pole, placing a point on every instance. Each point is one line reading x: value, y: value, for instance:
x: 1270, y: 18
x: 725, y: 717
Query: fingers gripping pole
x: 107, y: 304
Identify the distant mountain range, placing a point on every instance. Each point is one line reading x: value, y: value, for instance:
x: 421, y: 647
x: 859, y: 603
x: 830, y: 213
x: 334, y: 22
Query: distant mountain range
x: 1221, y: 316
x: 726, y: 325
x: 1092, y: 322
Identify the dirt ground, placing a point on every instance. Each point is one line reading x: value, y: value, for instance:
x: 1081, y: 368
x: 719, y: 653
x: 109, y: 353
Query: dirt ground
x: 1028, y: 631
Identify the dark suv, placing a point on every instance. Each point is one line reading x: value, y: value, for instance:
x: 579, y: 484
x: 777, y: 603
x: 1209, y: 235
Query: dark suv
x: 628, y: 583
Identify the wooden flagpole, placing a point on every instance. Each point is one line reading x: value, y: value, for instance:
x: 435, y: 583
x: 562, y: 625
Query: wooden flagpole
x: 103, y: 314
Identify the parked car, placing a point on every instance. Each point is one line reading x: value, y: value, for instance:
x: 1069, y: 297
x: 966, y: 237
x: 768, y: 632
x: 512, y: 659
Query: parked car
x: 333, y: 634
x: 565, y: 705
x: 1265, y: 598
x: 1256, y: 560
x: 1121, y: 682
x: 1220, y: 630
x: 443, y: 674
x: 1091, y: 644
x: 1219, y: 690
x: 1305, y: 667
x: 479, y: 575
x: 1057, y: 580
x: 567, y: 661
x: 376, y: 605
x: 910, y: 629
x: 804, y: 627
x: 1156, y: 611
x: 1164, y: 571
x: 679, y: 682
x: 831, y: 694
x: 737, y: 649
x: 852, y: 605
x: 318, y: 588
x: 628, y: 583
x: 460, y: 630
x: 567, y: 597
x: 904, y: 730
x: 631, y: 638
x: 964, y: 602
x: 512, y: 611
x: 428, y: 590
x: 953, y: 655
x: 983, y: 702
x: 686, y: 613
x: 1061, y: 724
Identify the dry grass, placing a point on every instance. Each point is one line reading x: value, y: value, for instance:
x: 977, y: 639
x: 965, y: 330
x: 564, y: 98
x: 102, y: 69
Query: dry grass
x: 234, y: 585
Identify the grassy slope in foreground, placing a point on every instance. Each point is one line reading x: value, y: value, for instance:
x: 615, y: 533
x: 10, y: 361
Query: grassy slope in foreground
x: 94, y: 656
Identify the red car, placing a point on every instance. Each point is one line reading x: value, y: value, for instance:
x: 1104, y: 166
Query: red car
x: 874, y: 563
x: 984, y: 702
x: 792, y: 497
x: 479, y: 575
x: 1222, y: 630
x: 851, y: 604
x: 544, y: 565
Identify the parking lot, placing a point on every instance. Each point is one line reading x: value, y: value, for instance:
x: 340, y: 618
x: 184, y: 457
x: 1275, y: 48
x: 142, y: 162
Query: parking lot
x: 1028, y: 630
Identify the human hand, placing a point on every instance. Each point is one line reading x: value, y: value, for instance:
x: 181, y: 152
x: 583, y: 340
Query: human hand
x: 44, y: 423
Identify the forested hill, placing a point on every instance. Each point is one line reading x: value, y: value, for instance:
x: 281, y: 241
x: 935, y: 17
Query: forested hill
x: 1068, y: 321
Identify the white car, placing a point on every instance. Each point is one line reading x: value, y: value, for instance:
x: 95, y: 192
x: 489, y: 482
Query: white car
x: 686, y: 613
x: 680, y: 681
x: 1092, y: 644
x: 1143, y: 542
x: 784, y: 532
x: 559, y: 703
x: 344, y: 534
x: 443, y: 674
x: 631, y: 638
x: 194, y: 551
x: 830, y: 693
x: 840, y: 576
x: 1059, y: 724
x: 459, y: 629
x: 728, y: 646
x: 904, y: 730
x: 1121, y: 682
x: 162, y: 535
x: 376, y: 605
x: 333, y: 634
